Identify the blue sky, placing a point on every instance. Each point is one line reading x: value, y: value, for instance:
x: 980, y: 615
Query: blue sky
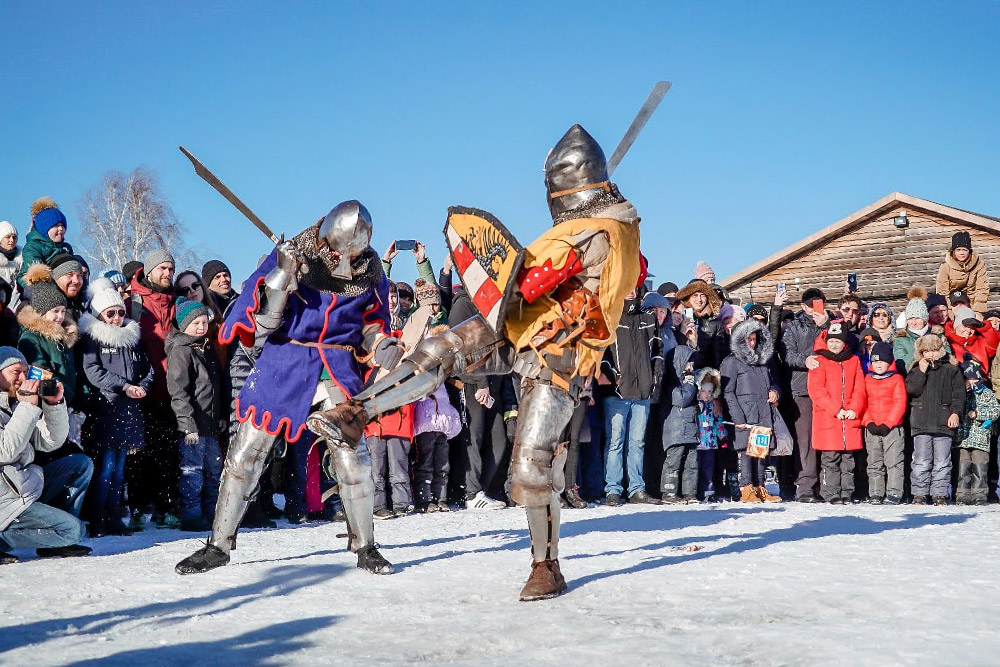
x: 783, y: 117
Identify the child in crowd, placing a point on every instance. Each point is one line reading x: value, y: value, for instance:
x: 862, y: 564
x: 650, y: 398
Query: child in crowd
x: 973, y: 438
x: 837, y: 390
x: 712, y: 431
x: 195, y: 386
x: 10, y: 262
x: 45, y: 239
x: 389, y: 439
x: 117, y: 367
x: 869, y: 337
x: 969, y: 334
x: 883, y: 420
x: 937, y: 393
x: 679, y: 476
x: 964, y: 270
x: 48, y: 333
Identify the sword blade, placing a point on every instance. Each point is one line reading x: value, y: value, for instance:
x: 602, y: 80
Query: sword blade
x: 639, y: 122
x: 221, y: 188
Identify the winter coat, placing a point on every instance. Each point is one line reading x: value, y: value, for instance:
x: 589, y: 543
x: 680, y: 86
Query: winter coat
x: 712, y: 431
x: 935, y: 396
x: 39, y: 249
x: 982, y: 344
x: 713, y: 345
x: 970, y: 276
x: 9, y: 269
x: 395, y: 424
x: 49, y: 346
x: 904, y: 345
x: 747, y: 377
x: 797, y: 344
x: 634, y: 362
x: 974, y: 432
x: 680, y: 398
x: 113, y: 358
x: 194, y: 383
x: 25, y: 428
x: 436, y: 414
x: 154, y: 312
x: 838, y: 384
x: 886, y: 400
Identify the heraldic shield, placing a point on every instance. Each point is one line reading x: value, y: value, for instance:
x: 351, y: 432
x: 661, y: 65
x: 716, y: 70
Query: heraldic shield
x: 487, y: 258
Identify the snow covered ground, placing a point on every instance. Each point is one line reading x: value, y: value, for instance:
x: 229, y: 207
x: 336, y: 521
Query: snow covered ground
x: 776, y: 585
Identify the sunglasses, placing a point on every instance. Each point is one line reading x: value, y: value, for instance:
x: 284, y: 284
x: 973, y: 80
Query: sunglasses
x: 118, y: 312
x: 192, y: 287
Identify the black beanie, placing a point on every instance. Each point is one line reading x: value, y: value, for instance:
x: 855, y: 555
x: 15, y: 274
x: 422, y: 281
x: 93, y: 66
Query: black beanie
x: 961, y: 240
x: 667, y: 288
x: 812, y: 294
x: 212, y: 268
x: 934, y: 299
x: 130, y: 269
x: 882, y: 352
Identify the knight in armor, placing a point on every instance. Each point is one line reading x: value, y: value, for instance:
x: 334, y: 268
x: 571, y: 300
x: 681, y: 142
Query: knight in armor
x: 318, y: 305
x: 571, y: 292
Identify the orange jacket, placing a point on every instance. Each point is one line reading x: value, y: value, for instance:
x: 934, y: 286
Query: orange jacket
x: 836, y: 386
x: 886, y: 400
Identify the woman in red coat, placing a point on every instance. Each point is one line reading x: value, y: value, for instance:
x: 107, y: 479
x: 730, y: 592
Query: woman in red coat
x: 969, y: 334
x: 837, y: 390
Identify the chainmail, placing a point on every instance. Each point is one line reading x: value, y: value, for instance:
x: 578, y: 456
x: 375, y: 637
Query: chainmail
x: 593, y: 206
x: 366, y: 269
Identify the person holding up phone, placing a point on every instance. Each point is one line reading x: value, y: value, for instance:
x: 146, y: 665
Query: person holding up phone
x: 424, y: 271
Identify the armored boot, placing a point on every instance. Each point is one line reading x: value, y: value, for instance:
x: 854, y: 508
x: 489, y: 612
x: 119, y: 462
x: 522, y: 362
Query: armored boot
x: 207, y: 558
x: 371, y: 560
x: 546, y: 580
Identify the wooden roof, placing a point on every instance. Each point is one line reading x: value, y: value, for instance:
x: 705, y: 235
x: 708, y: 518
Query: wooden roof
x: 857, y: 219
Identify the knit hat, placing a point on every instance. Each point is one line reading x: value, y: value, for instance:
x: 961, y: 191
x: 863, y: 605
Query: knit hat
x: 116, y: 277
x: 963, y: 313
x: 10, y: 356
x: 991, y: 313
x: 882, y: 352
x: 838, y: 331
x: 154, y: 258
x: 657, y: 300
x: 702, y: 271
x: 63, y: 264
x: 933, y: 300
x: 729, y: 310
x: 758, y: 310
x: 870, y: 335
x: 881, y: 306
x: 427, y: 293
x: 961, y: 240
x: 667, y: 288
x: 212, y: 268
x: 130, y: 269
x: 6, y: 229
x: 916, y: 308
x: 45, y: 296
x: 971, y: 368
x: 103, y: 295
x: 188, y: 311
x: 45, y: 215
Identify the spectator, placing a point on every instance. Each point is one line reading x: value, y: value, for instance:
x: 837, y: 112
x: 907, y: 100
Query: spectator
x: 152, y: 306
x: 885, y: 409
x: 712, y: 432
x: 389, y: 439
x: 119, y: 282
x: 849, y: 311
x: 67, y: 274
x: 797, y: 348
x: 48, y: 333
x: 751, y: 394
x: 882, y: 320
x: 196, y: 396
x: 706, y: 306
x: 631, y: 373
x: 679, y: 480
x: 405, y: 293
x: 115, y: 365
x: 702, y: 271
x: 916, y: 326
x: 434, y: 422
x: 662, y: 307
x: 10, y: 261
x: 190, y: 285
x: 39, y: 505
x: 937, y: 392
x: 46, y: 238
x: 571, y: 497
x: 964, y: 270
x: 10, y: 330
x: 219, y: 279
x: 973, y: 437
x: 837, y: 389
x: 937, y: 310
x: 969, y: 334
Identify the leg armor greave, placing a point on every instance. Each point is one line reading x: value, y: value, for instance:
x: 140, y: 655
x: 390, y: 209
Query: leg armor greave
x: 352, y: 468
x: 245, y: 461
x: 543, y: 414
x: 543, y: 529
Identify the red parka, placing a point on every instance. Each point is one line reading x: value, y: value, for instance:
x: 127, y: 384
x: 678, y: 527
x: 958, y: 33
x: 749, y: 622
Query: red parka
x: 885, y: 400
x: 836, y: 386
x: 157, y: 311
x: 982, y: 343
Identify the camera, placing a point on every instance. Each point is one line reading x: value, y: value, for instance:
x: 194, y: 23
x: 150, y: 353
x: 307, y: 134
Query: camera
x: 48, y: 388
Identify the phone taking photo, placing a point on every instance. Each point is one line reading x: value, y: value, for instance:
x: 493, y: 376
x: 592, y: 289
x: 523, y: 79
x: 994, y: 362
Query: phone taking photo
x: 405, y: 244
x: 852, y: 282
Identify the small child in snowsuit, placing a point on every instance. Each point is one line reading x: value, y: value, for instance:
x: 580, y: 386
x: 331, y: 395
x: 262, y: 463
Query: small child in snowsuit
x: 883, y: 420
x: 712, y: 431
x: 937, y: 392
x: 679, y: 476
x: 435, y: 421
x: 45, y: 239
x: 195, y: 386
x: 973, y: 437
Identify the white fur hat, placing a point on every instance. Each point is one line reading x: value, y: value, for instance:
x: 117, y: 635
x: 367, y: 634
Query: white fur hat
x: 103, y: 295
x: 7, y: 229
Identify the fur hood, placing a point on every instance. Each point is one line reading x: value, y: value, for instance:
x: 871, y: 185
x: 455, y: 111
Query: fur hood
x: 714, y: 302
x: 741, y: 348
x: 711, y: 376
x: 108, y: 335
x: 931, y: 341
x: 66, y: 333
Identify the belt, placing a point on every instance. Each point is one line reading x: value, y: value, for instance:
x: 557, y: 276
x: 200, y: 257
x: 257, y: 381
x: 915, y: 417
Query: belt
x: 364, y: 359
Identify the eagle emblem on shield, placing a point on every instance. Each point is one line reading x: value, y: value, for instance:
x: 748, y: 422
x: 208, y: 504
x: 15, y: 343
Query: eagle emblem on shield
x: 487, y: 258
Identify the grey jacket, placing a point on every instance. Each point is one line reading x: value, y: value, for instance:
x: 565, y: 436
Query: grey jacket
x: 26, y: 428
x: 747, y: 377
x: 796, y: 345
x: 680, y: 397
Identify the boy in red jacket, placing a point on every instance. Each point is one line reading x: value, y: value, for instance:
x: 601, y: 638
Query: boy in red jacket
x: 837, y: 390
x: 886, y: 406
x: 970, y: 334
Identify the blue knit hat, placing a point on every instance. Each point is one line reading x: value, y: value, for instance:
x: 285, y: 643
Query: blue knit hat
x: 187, y: 311
x: 48, y: 218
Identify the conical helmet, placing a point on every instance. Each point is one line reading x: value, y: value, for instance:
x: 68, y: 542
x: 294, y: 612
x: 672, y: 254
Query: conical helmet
x: 346, y: 231
x: 576, y: 171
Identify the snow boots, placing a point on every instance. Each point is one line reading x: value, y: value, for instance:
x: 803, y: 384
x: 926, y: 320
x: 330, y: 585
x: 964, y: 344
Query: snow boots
x: 546, y: 581
x: 767, y: 497
x: 748, y: 494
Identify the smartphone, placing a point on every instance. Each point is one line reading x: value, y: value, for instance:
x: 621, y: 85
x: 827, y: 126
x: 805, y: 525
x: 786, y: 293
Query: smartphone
x: 852, y: 282
x: 689, y: 313
x: 781, y: 287
x: 406, y: 244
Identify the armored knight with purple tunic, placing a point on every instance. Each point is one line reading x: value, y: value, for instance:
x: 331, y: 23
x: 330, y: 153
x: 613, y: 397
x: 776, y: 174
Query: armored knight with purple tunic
x: 318, y: 303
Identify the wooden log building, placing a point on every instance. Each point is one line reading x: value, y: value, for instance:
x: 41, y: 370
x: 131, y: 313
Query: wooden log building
x: 895, y: 243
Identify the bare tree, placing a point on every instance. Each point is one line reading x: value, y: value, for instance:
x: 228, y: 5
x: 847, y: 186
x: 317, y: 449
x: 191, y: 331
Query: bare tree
x: 125, y: 216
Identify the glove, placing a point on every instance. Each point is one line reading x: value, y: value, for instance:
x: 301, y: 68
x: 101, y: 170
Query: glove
x: 973, y: 323
x: 883, y: 430
x: 290, y: 265
x: 872, y: 428
x: 510, y: 427
x: 190, y: 438
x: 222, y: 426
x: 388, y: 353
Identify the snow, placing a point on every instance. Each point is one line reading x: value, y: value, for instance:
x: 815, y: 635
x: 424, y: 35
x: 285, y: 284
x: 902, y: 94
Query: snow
x: 770, y: 585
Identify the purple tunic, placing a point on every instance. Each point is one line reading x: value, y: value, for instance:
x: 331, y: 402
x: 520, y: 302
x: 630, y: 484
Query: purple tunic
x: 278, y: 392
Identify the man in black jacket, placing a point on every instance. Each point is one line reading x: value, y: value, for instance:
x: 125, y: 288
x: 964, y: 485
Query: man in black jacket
x: 631, y: 373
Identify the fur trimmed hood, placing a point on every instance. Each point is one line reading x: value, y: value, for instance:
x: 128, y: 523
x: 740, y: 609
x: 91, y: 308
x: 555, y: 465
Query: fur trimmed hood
x: 66, y: 333
x: 126, y: 336
x: 714, y: 302
x: 741, y: 349
x: 711, y: 376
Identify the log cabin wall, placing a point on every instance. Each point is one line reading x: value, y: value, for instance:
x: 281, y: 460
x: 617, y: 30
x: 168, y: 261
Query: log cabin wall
x: 887, y: 259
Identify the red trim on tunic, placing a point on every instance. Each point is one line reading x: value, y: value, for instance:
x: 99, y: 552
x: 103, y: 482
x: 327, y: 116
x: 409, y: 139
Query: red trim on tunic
x: 284, y: 424
x: 322, y: 336
x: 535, y: 281
x: 246, y: 333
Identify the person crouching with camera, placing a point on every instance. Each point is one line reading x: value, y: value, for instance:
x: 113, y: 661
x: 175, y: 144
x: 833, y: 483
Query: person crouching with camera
x: 39, y: 505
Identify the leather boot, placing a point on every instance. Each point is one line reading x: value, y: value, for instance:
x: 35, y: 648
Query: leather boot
x: 765, y: 496
x: 748, y: 494
x: 546, y: 581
